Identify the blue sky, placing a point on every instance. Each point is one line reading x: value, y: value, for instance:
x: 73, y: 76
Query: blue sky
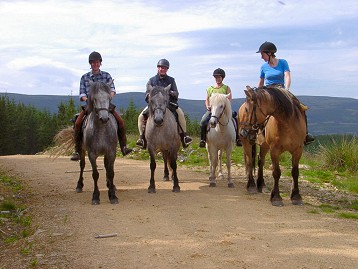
x: 45, y: 45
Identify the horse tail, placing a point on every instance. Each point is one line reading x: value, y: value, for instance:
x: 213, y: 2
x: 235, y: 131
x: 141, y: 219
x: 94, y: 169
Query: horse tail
x: 253, y: 157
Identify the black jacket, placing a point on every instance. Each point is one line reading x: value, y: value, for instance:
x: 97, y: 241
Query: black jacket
x: 164, y: 82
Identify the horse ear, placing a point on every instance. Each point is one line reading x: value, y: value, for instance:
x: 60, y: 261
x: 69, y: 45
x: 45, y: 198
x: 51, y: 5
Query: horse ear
x: 246, y: 92
x: 167, y: 88
x: 228, y: 95
x: 90, y: 82
x: 110, y: 82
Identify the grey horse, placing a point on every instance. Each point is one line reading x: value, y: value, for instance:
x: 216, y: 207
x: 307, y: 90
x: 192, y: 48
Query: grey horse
x: 162, y: 135
x: 99, y: 138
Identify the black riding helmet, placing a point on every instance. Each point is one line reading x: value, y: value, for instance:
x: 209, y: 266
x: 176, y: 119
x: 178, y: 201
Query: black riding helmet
x: 163, y: 62
x: 219, y: 72
x: 267, y: 47
x: 94, y: 56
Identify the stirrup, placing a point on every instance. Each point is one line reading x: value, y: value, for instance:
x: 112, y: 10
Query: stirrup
x: 238, y: 142
x: 140, y: 143
x: 309, y: 139
x: 202, y: 144
x: 125, y: 151
x: 75, y: 156
x: 187, y: 140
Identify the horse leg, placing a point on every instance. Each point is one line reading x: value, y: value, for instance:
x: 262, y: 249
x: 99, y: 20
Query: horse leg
x: 220, y: 166
x: 213, y: 159
x: 153, y: 165
x: 95, y: 176
x: 80, y: 184
x: 173, y: 165
x: 261, y: 186
x: 249, y: 155
x: 230, y: 183
x: 296, y: 198
x: 276, y: 199
x: 166, y: 170
x: 109, y: 165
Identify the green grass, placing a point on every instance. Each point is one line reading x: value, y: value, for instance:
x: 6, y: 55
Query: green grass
x: 13, y: 214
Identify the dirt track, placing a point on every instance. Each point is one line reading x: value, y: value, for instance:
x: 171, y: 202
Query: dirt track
x: 200, y: 227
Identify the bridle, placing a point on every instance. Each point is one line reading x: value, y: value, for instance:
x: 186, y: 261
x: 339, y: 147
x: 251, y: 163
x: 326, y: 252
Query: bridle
x: 252, y: 126
x: 219, y: 117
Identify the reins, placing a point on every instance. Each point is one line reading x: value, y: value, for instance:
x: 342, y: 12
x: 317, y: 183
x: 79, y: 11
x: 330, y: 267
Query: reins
x: 219, y: 117
x: 253, y: 116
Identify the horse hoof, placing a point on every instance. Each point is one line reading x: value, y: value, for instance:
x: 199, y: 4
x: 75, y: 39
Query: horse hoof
x: 165, y: 178
x: 114, y: 201
x: 297, y: 202
x: 252, y: 190
x: 264, y: 190
x: 78, y: 190
x: 231, y: 185
x: 151, y: 190
x: 212, y: 184
x: 176, y: 189
x: 277, y: 203
x: 95, y: 202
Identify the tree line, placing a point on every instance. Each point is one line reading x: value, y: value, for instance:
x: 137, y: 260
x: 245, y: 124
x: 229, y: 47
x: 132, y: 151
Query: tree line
x: 28, y: 130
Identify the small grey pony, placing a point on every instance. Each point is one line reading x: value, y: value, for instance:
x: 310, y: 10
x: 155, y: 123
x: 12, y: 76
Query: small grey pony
x: 162, y: 135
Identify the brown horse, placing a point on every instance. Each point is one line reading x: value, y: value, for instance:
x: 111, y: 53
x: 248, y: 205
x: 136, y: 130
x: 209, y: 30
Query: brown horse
x: 272, y: 118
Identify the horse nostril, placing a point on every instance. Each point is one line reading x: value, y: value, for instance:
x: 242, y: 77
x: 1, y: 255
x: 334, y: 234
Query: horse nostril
x: 104, y: 119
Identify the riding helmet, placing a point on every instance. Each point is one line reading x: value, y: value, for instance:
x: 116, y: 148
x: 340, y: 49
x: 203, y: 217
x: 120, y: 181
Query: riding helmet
x: 219, y: 72
x: 163, y: 62
x: 267, y: 47
x: 94, y: 56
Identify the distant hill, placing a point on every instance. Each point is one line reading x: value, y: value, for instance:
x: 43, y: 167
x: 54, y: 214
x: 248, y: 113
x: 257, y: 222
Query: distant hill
x: 327, y: 115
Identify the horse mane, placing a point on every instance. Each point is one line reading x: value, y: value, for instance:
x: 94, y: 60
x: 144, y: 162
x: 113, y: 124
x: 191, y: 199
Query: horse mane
x: 283, y: 99
x: 158, y: 89
x: 95, y: 87
x: 217, y: 98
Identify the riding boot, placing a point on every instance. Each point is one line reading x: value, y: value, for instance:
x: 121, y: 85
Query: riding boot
x: 78, y: 144
x: 238, y: 140
x: 185, y: 139
x: 309, y: 138
x: 122, y: 138
x: 141, y: 142
x: 78, y: 135
x: 203, y: 136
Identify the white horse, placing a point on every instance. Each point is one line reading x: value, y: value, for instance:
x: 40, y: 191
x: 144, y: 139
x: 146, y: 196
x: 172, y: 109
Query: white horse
x: 220, y: 137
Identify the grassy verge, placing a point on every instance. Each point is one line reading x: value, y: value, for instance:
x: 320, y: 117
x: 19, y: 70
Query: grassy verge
x: 15, y: 222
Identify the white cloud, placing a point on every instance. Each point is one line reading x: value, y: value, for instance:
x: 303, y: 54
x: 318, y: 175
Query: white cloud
x: 196, y: 36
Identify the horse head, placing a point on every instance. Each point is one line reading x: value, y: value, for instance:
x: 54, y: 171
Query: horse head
x: 158, y: 101
x: 99, y: 99
x: 220, y: 109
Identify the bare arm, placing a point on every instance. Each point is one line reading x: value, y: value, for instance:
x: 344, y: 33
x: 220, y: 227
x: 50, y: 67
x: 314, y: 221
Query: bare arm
x: 287, y: 80
x: 228, y: 91
x: 261, y: 82
x: 207, y: 103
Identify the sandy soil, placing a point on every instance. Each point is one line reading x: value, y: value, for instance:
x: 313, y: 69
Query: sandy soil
x: 200, y: 227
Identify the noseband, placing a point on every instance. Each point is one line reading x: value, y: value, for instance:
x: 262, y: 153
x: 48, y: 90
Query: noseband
x: 219, y: 117
x: 253, y: 126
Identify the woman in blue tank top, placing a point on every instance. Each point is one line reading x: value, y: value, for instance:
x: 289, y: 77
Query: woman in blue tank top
x: 276, y: 73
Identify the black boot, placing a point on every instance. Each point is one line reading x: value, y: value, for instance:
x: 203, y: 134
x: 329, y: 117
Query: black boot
x: 122, y: 139
x: 78, y: 144
x: 309, y: 138
x: 185, y: 140
x: 202, y: 142
x: 141, y: 143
